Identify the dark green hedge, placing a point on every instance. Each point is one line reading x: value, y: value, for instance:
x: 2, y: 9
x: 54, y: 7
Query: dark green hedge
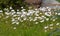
x: 16, y: 4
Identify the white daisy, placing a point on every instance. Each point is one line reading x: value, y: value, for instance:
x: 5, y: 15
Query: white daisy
x: 40, y: 18
x: 17, y: 23
x: 58, y: 13
x: 25, y: 18
x: 42, y: 9
x: 54, y: 20
x: 14, y: 28
x: 28, y: 14
x: 22, y: 7
x: 57, y: 23
x: 18, y: 13
x: 23, y: 10
x: 42, y: 21
x: 18, y: 18
x: 22, y: 15
x: 7, y: 13
x: 11, y: 8
x: 31, y: 19
x: 13, y: 22
x: 36, y: 14
x: 48, y: 13
x: 17, y: 10
x: 51, y: 25
x: 36, y: 22
x: 45, y: 27
x: 47, y: 19
x: 12, y: 13
x: 40, y: 13
x: 35, y: 19
x: 36, y: 9
x: 43, y: 16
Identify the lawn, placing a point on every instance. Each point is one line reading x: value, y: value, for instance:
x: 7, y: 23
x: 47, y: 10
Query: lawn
x: 37, y: 22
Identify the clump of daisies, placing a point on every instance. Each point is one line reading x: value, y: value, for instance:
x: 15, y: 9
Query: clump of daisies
x: 40, y: 15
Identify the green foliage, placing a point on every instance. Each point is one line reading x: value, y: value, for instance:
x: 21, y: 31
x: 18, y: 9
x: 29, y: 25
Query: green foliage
x: 58, y: 0
x: 16, y: 4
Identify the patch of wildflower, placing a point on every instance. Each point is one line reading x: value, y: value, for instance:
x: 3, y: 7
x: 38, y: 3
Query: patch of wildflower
x: 32, y: 15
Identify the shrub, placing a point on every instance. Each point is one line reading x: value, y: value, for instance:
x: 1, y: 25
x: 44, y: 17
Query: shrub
x: 16, y: 4
x: 58, y: 0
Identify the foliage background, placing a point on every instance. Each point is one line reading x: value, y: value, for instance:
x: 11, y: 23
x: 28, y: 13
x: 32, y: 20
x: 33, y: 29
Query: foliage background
x: 16, y: 4
x: 58, y: 0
